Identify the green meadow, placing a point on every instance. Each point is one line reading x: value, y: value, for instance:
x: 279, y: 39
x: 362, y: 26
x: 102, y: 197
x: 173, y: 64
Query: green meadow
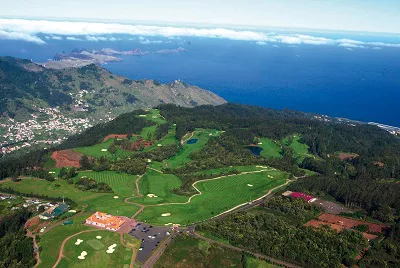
x: 217, y: 196
x: 159, y: 185
x: 104, y: 202
x: 96, y: 251
x: 122, y: 184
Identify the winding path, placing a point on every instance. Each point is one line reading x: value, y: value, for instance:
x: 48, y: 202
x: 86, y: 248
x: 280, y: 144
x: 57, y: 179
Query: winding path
x: 35, y: 245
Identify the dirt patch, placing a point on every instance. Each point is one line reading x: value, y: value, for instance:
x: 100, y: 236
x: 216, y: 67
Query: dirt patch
x: 346, y: 156
x: 113, y: 136
x: 67, y: 158
x: 350, y: 223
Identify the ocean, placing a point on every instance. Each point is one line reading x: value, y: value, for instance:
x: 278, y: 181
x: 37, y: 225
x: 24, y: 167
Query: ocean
x: 356, y: 83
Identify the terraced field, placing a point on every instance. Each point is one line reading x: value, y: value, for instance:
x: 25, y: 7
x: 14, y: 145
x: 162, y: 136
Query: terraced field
x: 122, y: 184
x: 217, y: 196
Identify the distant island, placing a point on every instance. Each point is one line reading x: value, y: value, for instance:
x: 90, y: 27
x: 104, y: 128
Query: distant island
x: 82, y: 57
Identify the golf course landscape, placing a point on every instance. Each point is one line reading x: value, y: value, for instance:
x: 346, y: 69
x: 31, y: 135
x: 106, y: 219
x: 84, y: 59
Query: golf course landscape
x: 160, y: 194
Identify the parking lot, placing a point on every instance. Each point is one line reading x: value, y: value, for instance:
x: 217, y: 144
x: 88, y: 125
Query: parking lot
x: 150, y: 236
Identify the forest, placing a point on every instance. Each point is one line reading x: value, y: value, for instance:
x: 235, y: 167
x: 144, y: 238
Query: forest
x: 16, y: 248
x: 274, y: 233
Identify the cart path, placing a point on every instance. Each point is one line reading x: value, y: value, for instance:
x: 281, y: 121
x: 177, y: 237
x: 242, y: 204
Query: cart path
x: 60, y: 254
x: 35, y: 245
x: 184, y: 140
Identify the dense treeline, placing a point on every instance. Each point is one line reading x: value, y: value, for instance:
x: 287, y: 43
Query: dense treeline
x: 295, y: 210
x: 16, y: 248
x: 273, y: 236
x: 385, y: 253
x: 380, y: 199
x: 88, y: 184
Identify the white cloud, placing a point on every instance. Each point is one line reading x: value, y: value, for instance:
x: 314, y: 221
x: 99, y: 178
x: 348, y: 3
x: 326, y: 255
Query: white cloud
x: 11, y: 35
x: 73, y: 38
x: 261, y: 43
x: 19, y: 29
x: 350, y: 45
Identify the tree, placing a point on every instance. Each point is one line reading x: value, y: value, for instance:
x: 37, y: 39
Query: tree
x: 112, y: 148
x: 62, y: 174
x: 85, y: 163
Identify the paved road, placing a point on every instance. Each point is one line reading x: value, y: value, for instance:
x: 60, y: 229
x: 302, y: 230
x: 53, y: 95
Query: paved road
x: 158, y: 252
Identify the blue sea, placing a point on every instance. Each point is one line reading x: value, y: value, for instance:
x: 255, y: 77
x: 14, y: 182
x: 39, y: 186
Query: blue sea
x: 361, y: 83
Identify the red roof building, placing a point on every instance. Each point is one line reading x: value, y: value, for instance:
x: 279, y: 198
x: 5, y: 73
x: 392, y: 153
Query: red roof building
x: 306, y: 197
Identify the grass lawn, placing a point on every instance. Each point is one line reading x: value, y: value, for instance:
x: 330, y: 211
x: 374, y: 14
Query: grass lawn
x: 96, y: 150
x: 160, y: 185
x: 300, y: 149
x: 182, y: 157
x: 252, y: 262
x: 166, y: 140
x: 218, y: 171
x: 186, y: 251
x: 122, y: 184
x: 218, y: 196
x: 104, y: 202
x: 270, y: 148
x: 96, y: 251
x: 51, y: 241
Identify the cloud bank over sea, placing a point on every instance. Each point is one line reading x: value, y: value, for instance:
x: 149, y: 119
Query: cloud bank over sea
x: 30, y: 31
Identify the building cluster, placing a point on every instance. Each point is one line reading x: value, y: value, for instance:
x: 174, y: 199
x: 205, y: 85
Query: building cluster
x: 54, y: 211
x: 44, y: 127
x: 27, y: 202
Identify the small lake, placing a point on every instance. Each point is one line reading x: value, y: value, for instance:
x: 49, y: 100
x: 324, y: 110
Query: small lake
x: 192, y: 141
x: 255, y: 150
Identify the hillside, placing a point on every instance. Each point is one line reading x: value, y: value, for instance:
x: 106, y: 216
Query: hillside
x: 222, y: 174
x: 43, y: 106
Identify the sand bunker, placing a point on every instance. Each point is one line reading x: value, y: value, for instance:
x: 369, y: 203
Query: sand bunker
x: 104, y: 150
x: 83, y: 255
x: 148, y: 160
x: 159, y: 145
x: 269, y: 176
x: 111, y: 249
x: 166, y: 214
x: 250, y: 185
x: 116, y: 197
x: 151, y: 195
x: 72, y: 211
x: 78, y: 241
x: 142, y: 115
x: 98, y: 237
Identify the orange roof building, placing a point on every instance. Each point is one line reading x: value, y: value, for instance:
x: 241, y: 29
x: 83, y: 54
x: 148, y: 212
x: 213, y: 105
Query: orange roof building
x: 105, y: 220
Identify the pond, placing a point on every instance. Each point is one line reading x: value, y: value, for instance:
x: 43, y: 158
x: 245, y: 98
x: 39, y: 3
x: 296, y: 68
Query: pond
x: 255, y: 150
x: 192, y: 141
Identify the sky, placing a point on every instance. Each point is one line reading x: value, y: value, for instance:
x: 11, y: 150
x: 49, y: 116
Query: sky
x: 341, y: 15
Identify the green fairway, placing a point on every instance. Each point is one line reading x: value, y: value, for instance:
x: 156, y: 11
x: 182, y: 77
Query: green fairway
x: 160, y: 185
x: 104, y: 202
x: 270, y: 148
x: 50, y: 242
x: 166, y: 140
x: 97, y: 150
x: 182, y: 157
x: 96, y: 251
x: 218, y: 196
x: 154, y: 116
x: 218, y: 171
x: 300, y: 149
x: 122, y: 184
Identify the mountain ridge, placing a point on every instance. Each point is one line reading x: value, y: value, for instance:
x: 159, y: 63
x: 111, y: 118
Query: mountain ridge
x: 32, y: 96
